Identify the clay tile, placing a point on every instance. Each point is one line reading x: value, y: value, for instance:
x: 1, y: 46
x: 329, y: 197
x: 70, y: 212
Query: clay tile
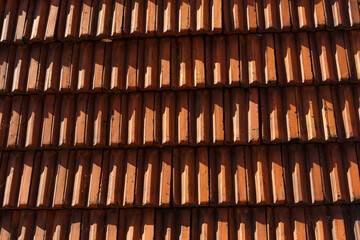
x: 104, y: 18
x: 34, y: 121
x: 320, y: 228
x: 168, y: 117
x: 133, y: 224
x: 6, y: 220
x: 61, y: 224
x: 33, y: 79
x: 131, y: 69
x: 67, y: 120
x: 268, y: 15
x: 168, y: 21
x: 218, y: 58
x: 348, y: 118
x: 291, y: 112
x: 336, y: 172
x: 272, y: 115
x: 327, y: 106
x: 353, y: 52
x: 43, y: 224
x: 205, y: 227
x: 117, y: 18
x: 98, y: 66
x: 217, y: 114
x: 116, y: 177
x: 81, y: 119
x: 21, y: 68
x: 137, y: 17
x: 39, y: 20
x: 182, y: 117
x: 104, y: 182
x: 355, y: 219
x: 315, y: 172
x: 221, y: 183
x: 6, y: 55
x: 3, y: 172
x: 9, y: 20
x: 287, y: 58
x: 100, y: 120
x: 27, y: 170
x: 51, y: 120
x: 116, y: 120
x: 46, y: 183
x: 139, y: 183
x: 111, y: 228
x: 61, y: 171
x: 339, y: 51
x: 298, y: 224
x: 240, y: 174
x: 13, y: 178
x: 198, y: 62
x: 201, y: 117
x: 151, y: 17
x: 261, y: 174
x: 85, y: 18
x: 338, y: 223
x: 85, y: 66
x: 276, y: 169
x: 97, y: 228
x: 318, y: 13
x: 183, y: 63
x: 71, y: 20
x: 81, y: 179
x: 75, y: 224
x: 52, y: 67
x: 254, y: 57
x: 165, y: 223
x: 298, y: 173
x: 301, y: 14
x: 184, y: 182
x: 35, y: 178
x: 21, y: 18
x: 149, y: 118
x: 310, y: 113
x: 234, y: 116
x: 18, y: 121
x: 5, y: 110
x: 151, y: 63
x: 164, y: 63
x: 26, y: 224
x: 351, y: 165
x: 183, y: 20
x: 129, y: 178
x: 164, y: 180
x: 118, y: 62
x: 95, y: 178
x: 234, y: 19
x: 233, y: 61
x: 69, y: 179
x: 67, y: 65
x: 259, y: 222
x: 151, y: 178
x: 323, y: 58
x: 253, y: 129
x: 134, y: 118
x: 52, y: 19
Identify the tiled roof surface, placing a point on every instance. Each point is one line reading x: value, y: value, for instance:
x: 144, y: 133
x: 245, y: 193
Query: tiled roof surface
x: 179, y: 119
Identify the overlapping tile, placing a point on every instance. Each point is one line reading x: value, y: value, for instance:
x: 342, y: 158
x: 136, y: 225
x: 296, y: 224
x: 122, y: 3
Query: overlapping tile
x: 185, y: 176
x: 236, y: 223
x: 177, y: 63
x: 68, y: 20
x: 186, y: 117
x: 179, y: 119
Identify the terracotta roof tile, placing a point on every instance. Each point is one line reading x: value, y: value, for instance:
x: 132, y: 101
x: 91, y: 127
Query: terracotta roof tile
x: 179, y: 119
